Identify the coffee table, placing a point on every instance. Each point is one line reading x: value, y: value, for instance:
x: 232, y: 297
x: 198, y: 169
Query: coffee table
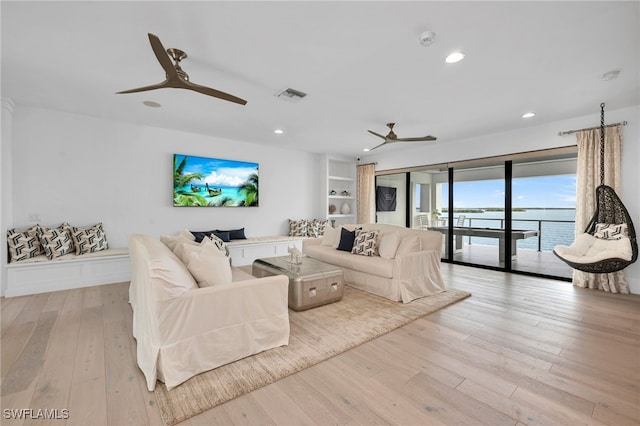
x: 311, y: 282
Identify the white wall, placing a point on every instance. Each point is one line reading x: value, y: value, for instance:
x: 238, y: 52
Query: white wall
x: 83, y: 170
x: 531, y: 139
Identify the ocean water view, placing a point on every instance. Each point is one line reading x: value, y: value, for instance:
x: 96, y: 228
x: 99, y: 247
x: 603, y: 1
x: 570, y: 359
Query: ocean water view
x: 219, y: 193
x: 556, y: 225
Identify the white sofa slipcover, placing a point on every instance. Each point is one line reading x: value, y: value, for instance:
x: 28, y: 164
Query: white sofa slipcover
x: 402, y: 277
x: 183, y: 330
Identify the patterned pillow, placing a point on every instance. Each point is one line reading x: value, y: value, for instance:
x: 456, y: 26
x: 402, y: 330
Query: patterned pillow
x: 24, y: 244
x: 611, y: 231
x: 366, y: 243
x: 316, y: 228
x: 89, y: 240
x: 56, y: 241
x: 298, y: 228
x: 220, y: 244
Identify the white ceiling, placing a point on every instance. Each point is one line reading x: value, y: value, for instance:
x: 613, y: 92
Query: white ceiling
x: 360, y: 63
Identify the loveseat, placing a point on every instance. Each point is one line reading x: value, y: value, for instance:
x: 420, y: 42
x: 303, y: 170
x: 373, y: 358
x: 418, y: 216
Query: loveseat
x: 403, y: 264
x: 182, y: 329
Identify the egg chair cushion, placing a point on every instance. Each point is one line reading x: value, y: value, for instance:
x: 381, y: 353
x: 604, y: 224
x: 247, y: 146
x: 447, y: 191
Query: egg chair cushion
x: 588, y: 249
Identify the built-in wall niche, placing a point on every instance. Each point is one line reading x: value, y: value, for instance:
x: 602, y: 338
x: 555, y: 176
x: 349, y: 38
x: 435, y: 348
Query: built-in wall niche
x: 339, y: 200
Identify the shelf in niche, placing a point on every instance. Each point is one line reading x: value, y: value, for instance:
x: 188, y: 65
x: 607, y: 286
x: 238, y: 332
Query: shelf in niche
x: 348, y: 179
x: 343, y: 197
x: 340, y: 215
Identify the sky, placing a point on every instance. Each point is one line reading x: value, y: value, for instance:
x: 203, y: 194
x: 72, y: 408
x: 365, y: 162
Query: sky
x: 544, y: 191
x: 219, y: 172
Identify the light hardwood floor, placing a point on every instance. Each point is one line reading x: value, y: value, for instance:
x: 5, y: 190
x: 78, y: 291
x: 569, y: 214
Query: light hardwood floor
x: 521, y: 350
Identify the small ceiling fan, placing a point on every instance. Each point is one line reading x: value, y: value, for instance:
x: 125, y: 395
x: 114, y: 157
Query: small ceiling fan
x: 392, y: 137
x: 176, y: 77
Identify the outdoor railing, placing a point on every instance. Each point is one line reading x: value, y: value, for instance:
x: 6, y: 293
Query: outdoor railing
x: 551, y: 232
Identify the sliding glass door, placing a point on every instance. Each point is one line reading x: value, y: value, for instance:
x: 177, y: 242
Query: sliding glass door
x: 543, y: 213
x: 391, y: 199
x: 503, y: 213
x: 478, y: 216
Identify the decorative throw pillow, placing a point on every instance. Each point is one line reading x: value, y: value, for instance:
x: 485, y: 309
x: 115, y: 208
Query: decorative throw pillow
x: 408, y: 245
x: 200, y: 235
x: 389, y: 245
x: 330, y: 237
x: 219, y: 243
x: 56, y: 241
x: 171, y: 240
x: 611, y: 231
x: 234, y: 234
x: 207, y: 264
x: 89, y: 240
x: 298, y: 228
x: 365, y: 243
x: 346, y: 240
x: 24, y: 244
x: 225, y: 236
x: 182, y: 247
x: 316, y: 228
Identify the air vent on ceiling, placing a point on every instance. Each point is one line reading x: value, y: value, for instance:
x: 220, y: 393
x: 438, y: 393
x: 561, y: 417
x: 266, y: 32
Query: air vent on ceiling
x: 291, y: 95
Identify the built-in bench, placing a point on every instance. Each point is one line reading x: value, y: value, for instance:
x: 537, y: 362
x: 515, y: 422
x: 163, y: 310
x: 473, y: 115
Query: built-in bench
x: 244, y: 252
x: 41, y: 275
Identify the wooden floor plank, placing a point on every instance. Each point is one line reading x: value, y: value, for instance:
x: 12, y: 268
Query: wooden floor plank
x: 521, y: 350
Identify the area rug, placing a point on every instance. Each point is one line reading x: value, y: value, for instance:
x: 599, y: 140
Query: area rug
x: 316, y: 335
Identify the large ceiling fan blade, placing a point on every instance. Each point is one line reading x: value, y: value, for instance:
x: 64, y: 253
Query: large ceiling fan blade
x: 422, y: 139
x: 377, y: 134
x: 378, y: 146
x: 162, y: 56
x: 145, y: 88
x: 213, y: 92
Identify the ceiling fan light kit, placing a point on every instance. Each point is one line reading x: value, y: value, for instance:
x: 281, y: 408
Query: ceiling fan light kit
x: 176, y: 77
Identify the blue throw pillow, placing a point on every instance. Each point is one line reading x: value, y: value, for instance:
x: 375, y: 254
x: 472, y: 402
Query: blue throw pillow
x: 346, y: 240
x: 223, y: 235
x: 234, y: 234
x: 200, y: 235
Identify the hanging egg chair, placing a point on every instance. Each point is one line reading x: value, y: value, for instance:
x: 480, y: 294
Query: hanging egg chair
x: 608, y: 243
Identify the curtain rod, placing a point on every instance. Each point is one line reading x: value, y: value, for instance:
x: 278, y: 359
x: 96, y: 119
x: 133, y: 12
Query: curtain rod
x: 367, y: 164
x: 568, y: 132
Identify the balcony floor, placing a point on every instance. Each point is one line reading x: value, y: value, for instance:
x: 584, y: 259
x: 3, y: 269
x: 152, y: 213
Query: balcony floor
x: 526, y: 260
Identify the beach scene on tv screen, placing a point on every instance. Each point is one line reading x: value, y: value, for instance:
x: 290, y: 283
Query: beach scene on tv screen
x: 214, y: 182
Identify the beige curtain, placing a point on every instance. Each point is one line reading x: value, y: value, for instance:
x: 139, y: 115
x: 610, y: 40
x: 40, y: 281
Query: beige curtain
x: 366, y: 194
x: 587, y: 179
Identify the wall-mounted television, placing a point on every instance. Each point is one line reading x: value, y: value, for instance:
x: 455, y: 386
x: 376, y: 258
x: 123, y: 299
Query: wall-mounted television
x: 214, y: 182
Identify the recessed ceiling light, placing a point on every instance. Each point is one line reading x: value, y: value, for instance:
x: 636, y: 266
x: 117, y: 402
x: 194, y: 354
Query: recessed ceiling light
x: 152, y: 104
x: 454, y: 57
x: 611, y: 75
x: 528, y: 114
x: 278, y: 131
x: 366, y: 150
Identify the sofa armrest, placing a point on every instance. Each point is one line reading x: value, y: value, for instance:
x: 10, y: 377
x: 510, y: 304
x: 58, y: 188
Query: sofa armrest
x: 432, y: 240
x: 202, y: 310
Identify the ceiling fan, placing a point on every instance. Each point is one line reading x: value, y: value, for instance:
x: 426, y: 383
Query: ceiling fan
x: 176, y: 77
x: 392, y: 137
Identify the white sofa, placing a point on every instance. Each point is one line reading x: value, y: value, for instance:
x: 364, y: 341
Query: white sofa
x: 183, y: 330
x: 407, y: 268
